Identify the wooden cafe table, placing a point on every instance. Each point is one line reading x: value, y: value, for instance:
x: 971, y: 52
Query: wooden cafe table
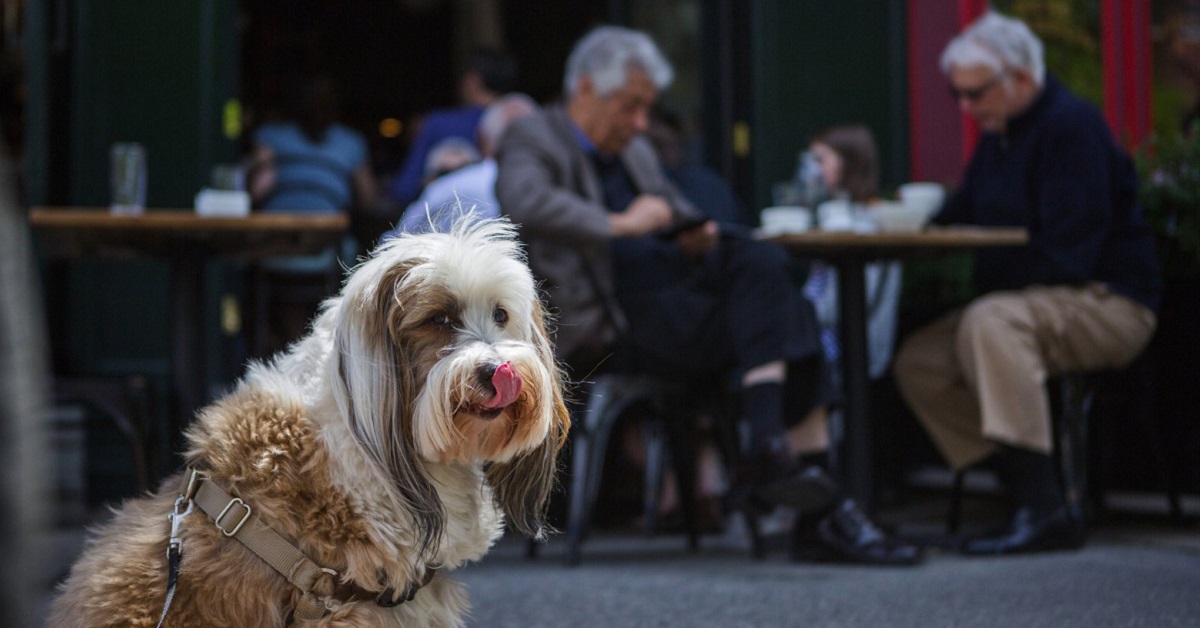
x: 849, y: 252
x: 186, y: 241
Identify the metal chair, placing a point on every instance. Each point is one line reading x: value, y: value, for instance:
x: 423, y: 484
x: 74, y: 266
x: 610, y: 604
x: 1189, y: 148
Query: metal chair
x: 125, y: 402
x: 293, y: 293
x: 670, y: 410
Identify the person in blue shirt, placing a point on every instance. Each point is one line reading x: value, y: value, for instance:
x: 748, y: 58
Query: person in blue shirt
x: 310, y: 162
x: 306, y: 162
x: 489, y: 74
x: 1081, y: 296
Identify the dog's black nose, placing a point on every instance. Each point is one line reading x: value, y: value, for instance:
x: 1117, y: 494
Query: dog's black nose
x: 485, y: 372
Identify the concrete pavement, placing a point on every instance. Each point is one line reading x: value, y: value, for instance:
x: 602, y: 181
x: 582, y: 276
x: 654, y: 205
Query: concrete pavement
x: 1135, y: 571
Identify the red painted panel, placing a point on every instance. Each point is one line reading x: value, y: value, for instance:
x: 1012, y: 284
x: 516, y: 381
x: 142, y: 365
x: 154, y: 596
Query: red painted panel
x: 940, y: 136
x: 1125, y: 42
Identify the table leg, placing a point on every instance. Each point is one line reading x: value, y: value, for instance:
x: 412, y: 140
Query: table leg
x: 187, y: 357
x: 857, y: 468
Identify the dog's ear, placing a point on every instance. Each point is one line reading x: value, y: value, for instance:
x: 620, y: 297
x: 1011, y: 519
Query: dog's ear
x: 523, y: 485
x: 375, y: 389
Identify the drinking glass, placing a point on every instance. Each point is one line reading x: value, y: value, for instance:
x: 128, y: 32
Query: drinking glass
x: 127, y: 161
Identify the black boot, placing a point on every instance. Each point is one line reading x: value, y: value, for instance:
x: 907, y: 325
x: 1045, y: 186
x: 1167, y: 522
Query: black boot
x: 846, y: 534
x: 773, y: 477
x: 1042, y: 521
x: 768, y: 475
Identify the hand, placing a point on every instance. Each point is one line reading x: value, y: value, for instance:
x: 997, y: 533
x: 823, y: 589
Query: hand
x: 261, y: 176
x: 700, y: 240
x: 647, y: 213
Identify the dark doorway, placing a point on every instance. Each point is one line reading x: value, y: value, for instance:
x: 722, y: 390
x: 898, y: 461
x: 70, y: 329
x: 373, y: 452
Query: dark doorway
x: 395, y: 58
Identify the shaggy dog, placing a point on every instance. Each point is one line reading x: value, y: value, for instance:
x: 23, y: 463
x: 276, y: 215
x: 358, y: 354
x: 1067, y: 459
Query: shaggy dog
x: 388, y: 447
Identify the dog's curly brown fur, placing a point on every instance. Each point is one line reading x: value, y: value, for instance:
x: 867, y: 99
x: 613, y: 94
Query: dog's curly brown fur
x: 421, y: 480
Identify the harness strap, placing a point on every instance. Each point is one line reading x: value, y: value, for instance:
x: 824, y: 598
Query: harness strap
x: 235, y: 518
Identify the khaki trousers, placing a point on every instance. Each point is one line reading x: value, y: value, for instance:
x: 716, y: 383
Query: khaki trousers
x: 976, y: 377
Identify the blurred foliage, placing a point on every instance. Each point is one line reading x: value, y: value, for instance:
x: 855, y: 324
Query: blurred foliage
x: 1169, y: 170
x: 1070, y: 34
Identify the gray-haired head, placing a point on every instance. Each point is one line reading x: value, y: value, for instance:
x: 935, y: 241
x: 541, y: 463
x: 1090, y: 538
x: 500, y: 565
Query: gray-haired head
x: 998, y: 42
x: 499, y: 115
x: 448, y: 155
x: 605, y: 55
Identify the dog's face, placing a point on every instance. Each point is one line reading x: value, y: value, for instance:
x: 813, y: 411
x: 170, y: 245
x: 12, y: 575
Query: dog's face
x: 443, y: 357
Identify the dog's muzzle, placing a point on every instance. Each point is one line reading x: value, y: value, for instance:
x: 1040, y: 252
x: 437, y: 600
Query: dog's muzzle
x: 506, y: 382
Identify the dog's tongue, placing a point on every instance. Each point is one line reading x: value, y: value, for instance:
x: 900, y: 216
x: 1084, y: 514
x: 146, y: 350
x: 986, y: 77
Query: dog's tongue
x: 507, y: 383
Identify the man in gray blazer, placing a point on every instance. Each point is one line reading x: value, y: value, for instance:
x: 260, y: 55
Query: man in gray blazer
x: 633, y: 270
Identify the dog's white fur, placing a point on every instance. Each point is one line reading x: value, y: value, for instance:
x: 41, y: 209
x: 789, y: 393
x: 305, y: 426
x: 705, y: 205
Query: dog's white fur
x: 370, y: 444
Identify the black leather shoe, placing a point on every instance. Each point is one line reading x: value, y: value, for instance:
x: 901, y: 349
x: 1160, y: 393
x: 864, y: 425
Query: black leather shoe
x: 779, y: 479
x: 847, y: 535
x: 1028, y: 531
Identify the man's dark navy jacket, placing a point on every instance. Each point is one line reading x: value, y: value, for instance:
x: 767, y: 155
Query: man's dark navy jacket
x: 1056, y: 171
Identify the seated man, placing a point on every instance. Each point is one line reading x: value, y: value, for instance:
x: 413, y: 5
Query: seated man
x: 1080, y: 296
x: 597, y: 215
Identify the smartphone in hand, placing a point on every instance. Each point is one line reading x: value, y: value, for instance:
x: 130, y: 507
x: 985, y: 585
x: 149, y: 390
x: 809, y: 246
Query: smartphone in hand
x: 679, y: 226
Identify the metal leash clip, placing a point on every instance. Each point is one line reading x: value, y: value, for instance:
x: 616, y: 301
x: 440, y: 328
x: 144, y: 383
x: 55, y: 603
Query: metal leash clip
x: 176, y: 517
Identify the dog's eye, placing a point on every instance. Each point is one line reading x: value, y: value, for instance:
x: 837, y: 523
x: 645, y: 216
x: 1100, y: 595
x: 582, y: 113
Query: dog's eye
x: 441, y: 320
x: 500, y: 315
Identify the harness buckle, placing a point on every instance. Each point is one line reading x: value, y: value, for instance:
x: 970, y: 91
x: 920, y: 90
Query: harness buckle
x: 219, y: 520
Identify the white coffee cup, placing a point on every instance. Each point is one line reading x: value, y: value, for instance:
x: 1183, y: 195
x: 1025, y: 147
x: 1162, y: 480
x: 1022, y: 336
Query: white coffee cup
x: 924, y: 195
x: 895, y: 216
x: 785, y: 219
x: 836, y: 215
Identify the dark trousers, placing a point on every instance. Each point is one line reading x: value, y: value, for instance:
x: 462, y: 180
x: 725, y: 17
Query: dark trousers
x: 737, y: 308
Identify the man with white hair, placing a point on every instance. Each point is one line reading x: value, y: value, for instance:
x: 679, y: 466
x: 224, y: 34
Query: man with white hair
x: 1080, y: 297
x: 635, y: 272
x: 470, y: 188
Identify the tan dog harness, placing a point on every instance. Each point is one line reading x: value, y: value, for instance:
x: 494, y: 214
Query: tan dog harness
x: 235, y: 518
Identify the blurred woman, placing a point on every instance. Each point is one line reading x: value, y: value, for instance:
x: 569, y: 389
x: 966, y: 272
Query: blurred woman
x: 849, y: 164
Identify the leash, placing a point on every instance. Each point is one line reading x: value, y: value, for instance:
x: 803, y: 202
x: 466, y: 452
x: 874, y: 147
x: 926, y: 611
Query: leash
x: 174, y: 555
x: 235, y: 518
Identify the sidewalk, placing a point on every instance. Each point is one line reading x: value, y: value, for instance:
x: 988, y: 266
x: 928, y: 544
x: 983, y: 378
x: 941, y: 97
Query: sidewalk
x: 1136, y: 570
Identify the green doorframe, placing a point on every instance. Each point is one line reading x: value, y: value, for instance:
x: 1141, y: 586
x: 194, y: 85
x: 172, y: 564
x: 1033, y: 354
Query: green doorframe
x: 816, y: 64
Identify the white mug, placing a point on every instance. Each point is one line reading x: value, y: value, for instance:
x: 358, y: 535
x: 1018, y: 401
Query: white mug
x: 836, y: 215
x: 924, y: 195
x: 785, y: 219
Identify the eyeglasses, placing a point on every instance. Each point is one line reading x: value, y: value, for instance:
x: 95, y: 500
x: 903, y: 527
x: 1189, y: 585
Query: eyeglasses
x: 975, y: 93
